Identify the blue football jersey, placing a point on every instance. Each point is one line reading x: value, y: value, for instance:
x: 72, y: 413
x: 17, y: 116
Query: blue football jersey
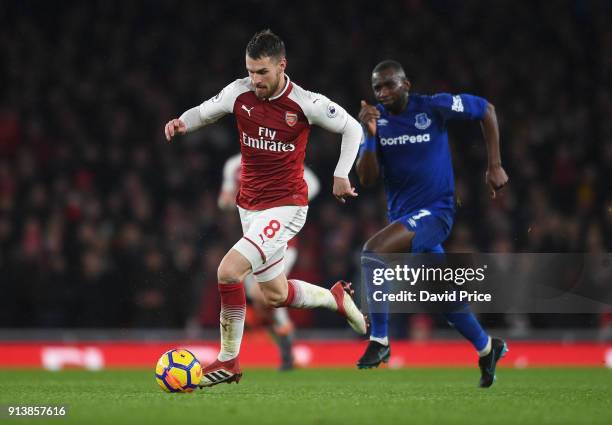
x: 414, y: 154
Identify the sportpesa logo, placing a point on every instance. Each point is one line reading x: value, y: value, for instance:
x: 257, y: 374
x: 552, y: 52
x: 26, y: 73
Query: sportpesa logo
x: 405, y: 138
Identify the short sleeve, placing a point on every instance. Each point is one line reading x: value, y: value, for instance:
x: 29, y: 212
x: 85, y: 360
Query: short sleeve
x: 459, y: 106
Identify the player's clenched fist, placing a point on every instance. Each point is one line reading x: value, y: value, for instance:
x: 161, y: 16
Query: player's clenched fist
x: 368, y: 116
x: 496, y: 178
x: 175, y: 127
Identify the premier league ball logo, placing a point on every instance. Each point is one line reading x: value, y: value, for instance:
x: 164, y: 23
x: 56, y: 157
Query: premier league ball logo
x: 332, y: 110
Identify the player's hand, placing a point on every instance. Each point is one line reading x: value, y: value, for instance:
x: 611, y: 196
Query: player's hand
x: 227, y: 200
x: 368, y: 116
x: 175, y: 127
x: 343, y: 189
x: 496, y: 178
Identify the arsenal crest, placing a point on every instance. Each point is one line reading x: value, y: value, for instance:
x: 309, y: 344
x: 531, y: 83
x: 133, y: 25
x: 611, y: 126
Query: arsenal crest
x: 291, y: 118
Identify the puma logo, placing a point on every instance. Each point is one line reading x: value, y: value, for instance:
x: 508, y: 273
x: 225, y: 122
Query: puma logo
x: 248, y: 110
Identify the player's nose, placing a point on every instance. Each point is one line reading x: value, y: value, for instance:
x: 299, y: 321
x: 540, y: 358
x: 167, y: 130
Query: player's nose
x: 383, y: 93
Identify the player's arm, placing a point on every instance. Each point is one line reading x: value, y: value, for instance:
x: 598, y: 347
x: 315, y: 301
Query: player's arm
x: 367, y: 164
x: 204, y: 114
x: 229, y: 186
x: 495, y: 175
x: 466, y: 106
x: 334, y: 118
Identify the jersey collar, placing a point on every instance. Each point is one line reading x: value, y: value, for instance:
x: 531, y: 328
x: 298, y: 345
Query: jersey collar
x: 287, y: 82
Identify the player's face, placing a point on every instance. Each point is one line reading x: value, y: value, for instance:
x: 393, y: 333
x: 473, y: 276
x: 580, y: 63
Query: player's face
x: 391, y: 89
x: 265, y: 74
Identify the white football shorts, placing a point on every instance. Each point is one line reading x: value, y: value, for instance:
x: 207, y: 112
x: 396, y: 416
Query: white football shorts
x: 266, y: 234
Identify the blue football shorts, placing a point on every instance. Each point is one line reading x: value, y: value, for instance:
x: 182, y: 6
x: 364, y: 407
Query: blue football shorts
x: 431, y: 228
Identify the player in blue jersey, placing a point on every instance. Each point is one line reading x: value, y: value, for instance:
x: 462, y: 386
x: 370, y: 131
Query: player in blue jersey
x: 407, y: 140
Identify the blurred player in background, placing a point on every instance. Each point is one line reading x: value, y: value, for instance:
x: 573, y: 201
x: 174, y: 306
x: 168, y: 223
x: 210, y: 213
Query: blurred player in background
x: 281, y: 326
x: 407, y: 140
x: 274, y: 117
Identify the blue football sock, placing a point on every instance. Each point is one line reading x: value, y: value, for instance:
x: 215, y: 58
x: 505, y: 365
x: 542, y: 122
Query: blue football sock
x: 378, y: 321
x: 467, y: 324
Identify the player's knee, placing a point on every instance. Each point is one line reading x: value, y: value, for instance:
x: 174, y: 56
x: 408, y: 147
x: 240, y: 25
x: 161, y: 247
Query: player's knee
x: 372, y: 245
x: 226, y: 273
x: 273, y: 297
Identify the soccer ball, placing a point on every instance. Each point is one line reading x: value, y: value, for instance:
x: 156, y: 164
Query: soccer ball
x: 178, y: 371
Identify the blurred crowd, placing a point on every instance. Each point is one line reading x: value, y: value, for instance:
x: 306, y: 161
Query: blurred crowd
x: 104, y: 224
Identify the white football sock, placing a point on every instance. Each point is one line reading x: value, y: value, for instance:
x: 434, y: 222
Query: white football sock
x: 307, y: 295
x: 231, y: 327
x: 383, y: 341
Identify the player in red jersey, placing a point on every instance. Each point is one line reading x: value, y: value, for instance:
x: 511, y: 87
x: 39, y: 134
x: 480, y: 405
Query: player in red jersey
x: 280, y: 325
x: 273, y: 116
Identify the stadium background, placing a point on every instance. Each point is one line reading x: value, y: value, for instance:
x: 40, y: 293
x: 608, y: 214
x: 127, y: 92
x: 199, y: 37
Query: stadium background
x: 104, y: 226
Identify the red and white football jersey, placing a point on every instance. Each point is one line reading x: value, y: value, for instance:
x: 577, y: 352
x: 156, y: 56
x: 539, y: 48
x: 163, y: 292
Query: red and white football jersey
x: 273, y: 134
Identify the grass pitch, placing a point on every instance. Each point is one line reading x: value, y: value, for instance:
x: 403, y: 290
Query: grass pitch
x: 320, y: 396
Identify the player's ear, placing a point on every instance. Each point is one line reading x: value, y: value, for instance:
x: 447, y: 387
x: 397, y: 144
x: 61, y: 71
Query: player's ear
x: 282, y: 64
x: 407, y: 84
